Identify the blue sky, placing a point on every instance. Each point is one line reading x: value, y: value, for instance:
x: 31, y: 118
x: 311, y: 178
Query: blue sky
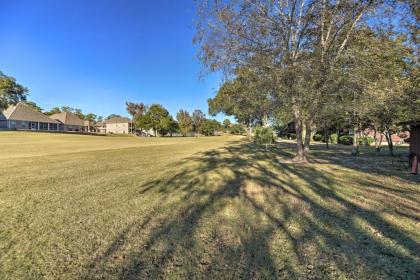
x: 97, y: 54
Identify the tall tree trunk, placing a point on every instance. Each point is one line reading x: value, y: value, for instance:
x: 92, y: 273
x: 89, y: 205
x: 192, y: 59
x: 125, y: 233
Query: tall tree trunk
x: 308, y: 132
x: 388, y: 137
x: 378, y: 141
x: 355, y: 149
x: 300, y: 153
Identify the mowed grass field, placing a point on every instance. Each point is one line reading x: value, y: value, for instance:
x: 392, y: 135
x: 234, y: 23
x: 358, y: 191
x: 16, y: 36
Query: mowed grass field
x: 90, y: 207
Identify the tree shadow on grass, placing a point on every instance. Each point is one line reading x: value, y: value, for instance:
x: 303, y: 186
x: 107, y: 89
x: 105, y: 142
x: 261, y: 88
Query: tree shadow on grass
x: 242, y: 212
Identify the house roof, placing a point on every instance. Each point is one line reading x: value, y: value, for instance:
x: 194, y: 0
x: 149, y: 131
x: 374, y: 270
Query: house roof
x: 23, y: 112
x: 88, y: 123
x: 118, y: 120
x: 68, y: 118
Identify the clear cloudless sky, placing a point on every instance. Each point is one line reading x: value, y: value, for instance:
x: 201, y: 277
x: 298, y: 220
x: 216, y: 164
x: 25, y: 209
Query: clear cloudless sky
x: 97, y: 54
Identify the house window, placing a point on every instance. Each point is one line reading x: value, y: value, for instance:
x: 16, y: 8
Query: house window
x: 12, y: 124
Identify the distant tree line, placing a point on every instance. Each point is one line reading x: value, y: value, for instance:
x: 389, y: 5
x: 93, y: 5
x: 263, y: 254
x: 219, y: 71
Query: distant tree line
x: 155, y: 117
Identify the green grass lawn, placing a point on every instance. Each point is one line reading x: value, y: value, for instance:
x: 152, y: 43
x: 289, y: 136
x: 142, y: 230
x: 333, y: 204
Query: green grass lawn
x: 90, y: 207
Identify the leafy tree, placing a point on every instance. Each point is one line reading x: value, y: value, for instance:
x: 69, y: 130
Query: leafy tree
x: 90, y: 117
x: 112, y: 116
x: 34, y: 106
x: 53, y: 111
x: 136, y: 109
x: 226, y: 124
x: 264, y: 135
x: 184, y: 122
x: 294, y: 44
x: 79, y: 113
x: 10, y: 91
x: 247, y: 97
x: 173, y: 126
x: 158, y: 115
x: 197, y: 119
x: 237, y: 129
x: 210, y: 127
x: 143, y: 122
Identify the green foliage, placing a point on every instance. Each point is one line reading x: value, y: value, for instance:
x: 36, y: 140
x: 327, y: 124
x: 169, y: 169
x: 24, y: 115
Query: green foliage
x: 264, y: 135
x: 90, y: 117
x: 366, y: 140
x: 143, y: 122
x: 197, y: 119
x: 184, y: 122
x: 345, y: 140
x: 10, y: 91
x: 111, y: 116
x: 334, y: 138
x: 33, y: 105
x: 237, y: 129
x: 53, y: 111
x: 318, y: 137
x: 210, y: 127
x: 226, y: 124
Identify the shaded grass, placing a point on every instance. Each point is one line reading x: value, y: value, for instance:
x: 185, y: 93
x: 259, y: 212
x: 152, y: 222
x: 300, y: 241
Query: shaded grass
x: 210, y: 207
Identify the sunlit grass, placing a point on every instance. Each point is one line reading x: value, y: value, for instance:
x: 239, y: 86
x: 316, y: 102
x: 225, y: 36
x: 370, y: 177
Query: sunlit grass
x: 106, y: 207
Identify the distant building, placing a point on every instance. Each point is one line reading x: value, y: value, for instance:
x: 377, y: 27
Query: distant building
x: 89, y: 126
x: 100, y: 127
x: 119, y: 125
x: 24, y: 117
x: 69, y: 121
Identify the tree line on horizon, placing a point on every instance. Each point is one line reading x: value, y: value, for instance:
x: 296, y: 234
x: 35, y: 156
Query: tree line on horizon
x: 155, y: 117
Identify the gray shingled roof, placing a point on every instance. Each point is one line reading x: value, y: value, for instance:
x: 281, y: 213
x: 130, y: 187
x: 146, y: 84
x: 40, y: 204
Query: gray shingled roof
x: 23, y: 112
x: 68, y: 118
x: 118, y: 120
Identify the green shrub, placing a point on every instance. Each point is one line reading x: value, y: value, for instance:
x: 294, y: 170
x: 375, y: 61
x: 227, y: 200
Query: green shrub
x: 237, y: 129
x: 334, y: 138
x: 318, y: 137
x: 345, y: 140
x: 366, y: 140
x: 292, y: 136
x: 264, y: 135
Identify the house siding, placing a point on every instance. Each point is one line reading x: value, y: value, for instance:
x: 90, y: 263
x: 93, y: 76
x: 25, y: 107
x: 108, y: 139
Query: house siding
x: 117, y: 128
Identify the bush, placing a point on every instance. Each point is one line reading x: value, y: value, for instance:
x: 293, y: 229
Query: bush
x: 345, y: 140
x: 318, y: 137
x: 237, y: 129
x: 366, y: 140
x: 264, y: 135
x: 334, y: 138
x: 292, y: 136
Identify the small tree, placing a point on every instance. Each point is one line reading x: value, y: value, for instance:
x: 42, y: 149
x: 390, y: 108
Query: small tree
x: 184, y: 122
x: 197, y: 119
x: 264, y: 135
x: 226, y: 124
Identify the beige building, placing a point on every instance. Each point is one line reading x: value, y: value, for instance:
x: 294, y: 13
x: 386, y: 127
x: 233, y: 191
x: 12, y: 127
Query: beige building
x: 69, y: 121
x: 119, y: 125
x: 24, y: 117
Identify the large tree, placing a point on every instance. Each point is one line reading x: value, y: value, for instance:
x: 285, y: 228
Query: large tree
x: 295, y: 42
x: 10, y: 91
